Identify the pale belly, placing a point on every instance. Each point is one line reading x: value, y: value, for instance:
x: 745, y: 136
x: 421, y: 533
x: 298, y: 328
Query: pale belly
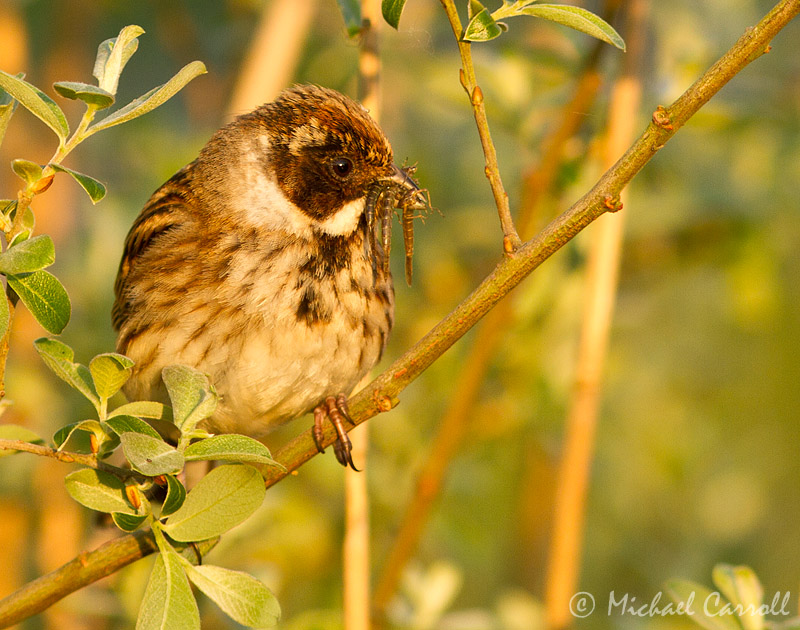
x: 269, y: 360
x: 281, y: 374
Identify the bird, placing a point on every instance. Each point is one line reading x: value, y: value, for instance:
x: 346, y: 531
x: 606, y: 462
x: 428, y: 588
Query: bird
x: 259, y: 264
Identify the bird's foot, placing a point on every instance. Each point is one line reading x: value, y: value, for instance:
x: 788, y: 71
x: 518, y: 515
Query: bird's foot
x: 335, y: 409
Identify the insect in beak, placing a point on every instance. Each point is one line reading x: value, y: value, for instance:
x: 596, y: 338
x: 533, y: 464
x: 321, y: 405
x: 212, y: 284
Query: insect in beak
x: 399, y: 192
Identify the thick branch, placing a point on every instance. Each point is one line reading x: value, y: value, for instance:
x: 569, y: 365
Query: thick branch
x: 83, y: 570
x: 381, y: 394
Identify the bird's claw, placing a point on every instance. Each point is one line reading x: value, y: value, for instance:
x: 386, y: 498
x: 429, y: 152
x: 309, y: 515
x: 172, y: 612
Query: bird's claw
x: 335, y: 409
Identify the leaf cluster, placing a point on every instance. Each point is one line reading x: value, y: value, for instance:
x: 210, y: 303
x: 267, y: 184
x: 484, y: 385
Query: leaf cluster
x: 485, y: 25
x: 152, y: 493
x: 25, y: 258
x: 157, y: 440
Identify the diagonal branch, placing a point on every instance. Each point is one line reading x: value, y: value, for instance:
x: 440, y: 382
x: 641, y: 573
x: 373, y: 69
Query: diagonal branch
x: 381, y: 394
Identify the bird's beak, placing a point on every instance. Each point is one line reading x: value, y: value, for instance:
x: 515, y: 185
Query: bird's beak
x: 405, y: 180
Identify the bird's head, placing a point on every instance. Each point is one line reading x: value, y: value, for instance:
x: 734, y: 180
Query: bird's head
x: 305, y: 163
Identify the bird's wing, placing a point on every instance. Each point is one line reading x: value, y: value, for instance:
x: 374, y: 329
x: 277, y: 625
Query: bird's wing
x: 166, y: 210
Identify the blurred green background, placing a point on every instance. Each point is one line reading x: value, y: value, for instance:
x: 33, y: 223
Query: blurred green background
x: 697, y: 449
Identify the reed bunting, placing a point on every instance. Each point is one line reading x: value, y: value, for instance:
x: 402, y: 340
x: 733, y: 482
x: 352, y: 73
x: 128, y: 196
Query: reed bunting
x: 260, y: 264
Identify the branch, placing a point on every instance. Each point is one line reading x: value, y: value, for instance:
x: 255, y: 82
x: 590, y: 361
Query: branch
x: 511, y: 240
x: 83, y: 459
x: 381, y: 394
x: 86, y: 568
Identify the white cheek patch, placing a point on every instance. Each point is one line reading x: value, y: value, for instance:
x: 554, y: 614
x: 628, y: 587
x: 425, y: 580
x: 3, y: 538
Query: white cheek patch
x: 345, y: 221
x: 261, y: 201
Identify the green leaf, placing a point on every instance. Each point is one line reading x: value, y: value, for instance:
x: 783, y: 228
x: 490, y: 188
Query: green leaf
x: 244, y: 599
x: 144, y: 409
x: 705, y: 605
x: 6, y: 111
x: 28, y: 171
x: 108, y: 444
x: 193, y: 397
x: 110, y: 371
x: 98, y: 490
x: 95, y: 189
x: 168, y: 603
x: 151, y: 456
x: 75, y: 436
x: 155, y: 97
x: 89, y: 94
x: 16, y: 432
x: 578, y: 19
x: 159, y: 416
x: 28, y: 223
x: 103, y: 52
x: 122, y: 423
x: 113, y: 55
x: 482, y: 27
x: 392, y: 9
x: 7, y: 108
x: 45, y: 297
x: 58, y: 357
x: 28, y: 256
x: 37, y: 102
x: 230, y: 447
x: 221, y: 500
x: 743, y: 589
x: 176, y: 495
x: 351, y: 12
x: 128, y: 522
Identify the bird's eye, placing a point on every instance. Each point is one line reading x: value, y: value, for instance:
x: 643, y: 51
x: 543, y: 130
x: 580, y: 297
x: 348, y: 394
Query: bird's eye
x: 342, y: 167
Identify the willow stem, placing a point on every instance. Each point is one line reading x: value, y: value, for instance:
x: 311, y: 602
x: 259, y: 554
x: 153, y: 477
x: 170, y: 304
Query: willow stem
x: 511, y: 239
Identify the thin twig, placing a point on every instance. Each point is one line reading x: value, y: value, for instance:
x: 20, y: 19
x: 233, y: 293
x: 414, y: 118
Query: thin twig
x: 511, y: 240
x: 355, y: 547
x: 85, y: 569
x: 90, y: 461
x: 381, y: 394
x: 4, y: 341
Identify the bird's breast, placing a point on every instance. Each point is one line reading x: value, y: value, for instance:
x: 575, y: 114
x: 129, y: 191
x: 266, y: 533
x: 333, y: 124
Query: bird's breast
x: 313, y: 320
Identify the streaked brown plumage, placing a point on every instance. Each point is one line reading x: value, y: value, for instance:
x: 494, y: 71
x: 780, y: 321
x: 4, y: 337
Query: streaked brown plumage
x: 257, y: 264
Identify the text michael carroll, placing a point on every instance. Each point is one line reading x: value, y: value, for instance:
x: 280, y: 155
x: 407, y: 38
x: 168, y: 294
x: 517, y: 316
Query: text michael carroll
x: 705, y: 604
